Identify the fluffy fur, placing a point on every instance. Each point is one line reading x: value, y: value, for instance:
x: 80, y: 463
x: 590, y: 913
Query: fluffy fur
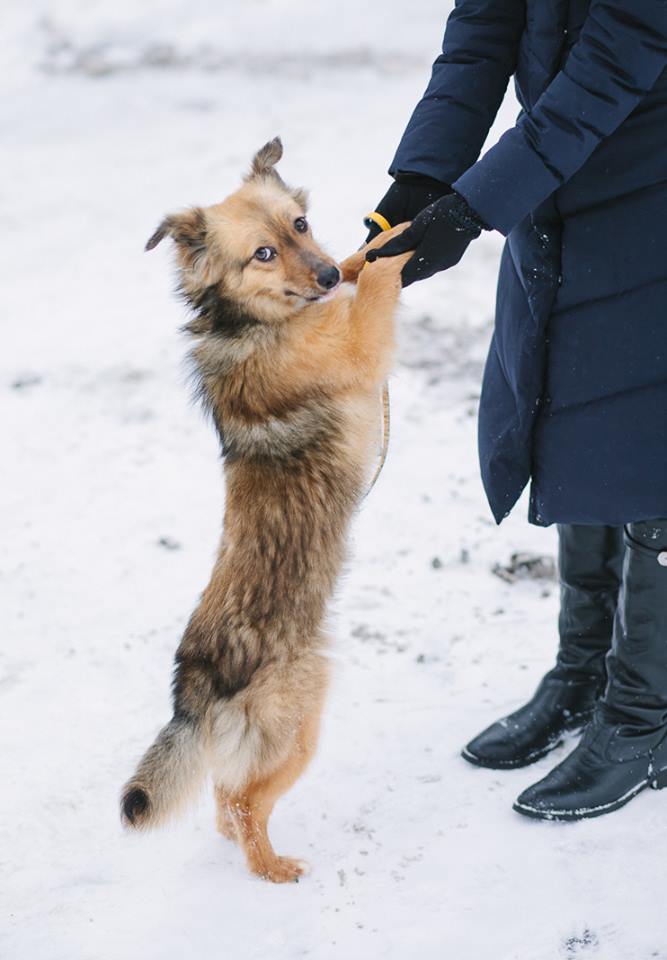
x: 290, y: 373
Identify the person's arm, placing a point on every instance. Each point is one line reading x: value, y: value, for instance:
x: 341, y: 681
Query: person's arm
x: 621, y: 52
x: 450, y: 123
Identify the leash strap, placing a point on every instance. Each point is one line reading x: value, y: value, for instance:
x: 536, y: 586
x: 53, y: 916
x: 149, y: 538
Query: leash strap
x: 386, y: 429
x: 384, y: 225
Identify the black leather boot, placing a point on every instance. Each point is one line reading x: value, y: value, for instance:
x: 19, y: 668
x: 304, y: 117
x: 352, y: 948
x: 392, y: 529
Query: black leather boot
x: 624, y: 749
x: 590, y: 562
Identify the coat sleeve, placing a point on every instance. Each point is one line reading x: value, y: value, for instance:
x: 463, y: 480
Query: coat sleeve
x: 621, y: 52
x: 450, y: 123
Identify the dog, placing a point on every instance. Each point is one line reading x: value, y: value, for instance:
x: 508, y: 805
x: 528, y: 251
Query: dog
x: 290, y: 354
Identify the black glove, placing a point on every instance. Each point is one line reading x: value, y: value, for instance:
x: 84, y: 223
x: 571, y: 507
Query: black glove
x: 439, y: 235
x: 409, y: 194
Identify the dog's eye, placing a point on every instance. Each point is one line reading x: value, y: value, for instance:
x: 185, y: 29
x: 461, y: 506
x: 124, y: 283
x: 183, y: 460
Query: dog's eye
x: 265, y: 254
x: 301, y: 224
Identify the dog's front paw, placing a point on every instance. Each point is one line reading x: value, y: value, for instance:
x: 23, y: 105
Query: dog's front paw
x: 353, y: 265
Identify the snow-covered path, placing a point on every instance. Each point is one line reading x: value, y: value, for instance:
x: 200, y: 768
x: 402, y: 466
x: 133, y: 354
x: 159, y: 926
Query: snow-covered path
x: 115, y: 113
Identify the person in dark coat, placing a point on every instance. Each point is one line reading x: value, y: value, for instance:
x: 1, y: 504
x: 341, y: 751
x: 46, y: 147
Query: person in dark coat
x: 574, y: 396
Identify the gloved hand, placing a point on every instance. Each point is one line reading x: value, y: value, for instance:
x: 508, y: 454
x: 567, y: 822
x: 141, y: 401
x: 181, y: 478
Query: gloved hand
x: 409, y: 194
x: 439, y: 235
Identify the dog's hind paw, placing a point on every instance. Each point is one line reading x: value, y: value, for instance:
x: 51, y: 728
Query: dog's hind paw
x: 283, y: 870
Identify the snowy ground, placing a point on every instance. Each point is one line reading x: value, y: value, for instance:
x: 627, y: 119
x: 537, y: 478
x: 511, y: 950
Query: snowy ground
x: 113, y: 114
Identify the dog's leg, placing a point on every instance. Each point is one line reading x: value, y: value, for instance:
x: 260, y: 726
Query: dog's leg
x: 224, y: 820
x: 370, y: 336
x: 251, y: 809
x: 352, y: 266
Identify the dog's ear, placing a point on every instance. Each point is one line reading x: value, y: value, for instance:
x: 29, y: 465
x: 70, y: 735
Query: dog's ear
x: 265, y: 160
x: 187, y: 229
x: 159, y: 235
x: 264, y: 165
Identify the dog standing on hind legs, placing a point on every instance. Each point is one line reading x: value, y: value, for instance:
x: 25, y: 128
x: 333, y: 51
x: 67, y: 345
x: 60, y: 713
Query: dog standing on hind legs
x: 289, y: 363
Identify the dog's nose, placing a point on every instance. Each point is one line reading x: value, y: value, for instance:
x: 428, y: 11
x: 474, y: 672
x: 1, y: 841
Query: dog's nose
x: 328, y: 277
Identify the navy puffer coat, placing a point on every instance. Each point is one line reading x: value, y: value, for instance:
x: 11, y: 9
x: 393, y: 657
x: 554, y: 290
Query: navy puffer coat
x: 575, y: 387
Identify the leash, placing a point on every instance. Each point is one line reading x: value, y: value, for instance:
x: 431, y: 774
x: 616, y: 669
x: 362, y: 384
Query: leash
x: 386, y: 425
x: 384, y: 225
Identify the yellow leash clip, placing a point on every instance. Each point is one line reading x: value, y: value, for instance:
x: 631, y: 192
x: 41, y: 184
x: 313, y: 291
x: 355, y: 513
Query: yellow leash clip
x: 378, y: 219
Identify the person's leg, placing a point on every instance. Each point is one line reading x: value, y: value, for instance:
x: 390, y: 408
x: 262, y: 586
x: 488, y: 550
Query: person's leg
x: 624, y: 748
x: 590, y: 561
x: 637, y: 663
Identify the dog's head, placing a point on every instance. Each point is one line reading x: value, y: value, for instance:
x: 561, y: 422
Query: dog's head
x: 255, y: 248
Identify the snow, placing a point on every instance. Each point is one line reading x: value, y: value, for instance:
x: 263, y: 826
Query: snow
x: 115, y: 113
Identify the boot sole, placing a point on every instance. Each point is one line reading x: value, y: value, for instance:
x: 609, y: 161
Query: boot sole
x: 509, y: 764
x: 588, y: 813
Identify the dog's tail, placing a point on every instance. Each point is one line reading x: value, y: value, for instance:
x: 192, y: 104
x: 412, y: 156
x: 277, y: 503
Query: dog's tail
x: 169, y: 775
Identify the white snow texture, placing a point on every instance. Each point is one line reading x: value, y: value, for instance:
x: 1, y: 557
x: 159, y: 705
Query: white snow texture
x: 114, y: 113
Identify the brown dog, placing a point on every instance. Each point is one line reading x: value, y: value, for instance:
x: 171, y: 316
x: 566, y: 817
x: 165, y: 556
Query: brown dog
x: 289, y: 364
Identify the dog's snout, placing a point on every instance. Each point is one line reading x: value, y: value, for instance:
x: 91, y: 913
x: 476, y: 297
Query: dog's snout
x: 328, y: 277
